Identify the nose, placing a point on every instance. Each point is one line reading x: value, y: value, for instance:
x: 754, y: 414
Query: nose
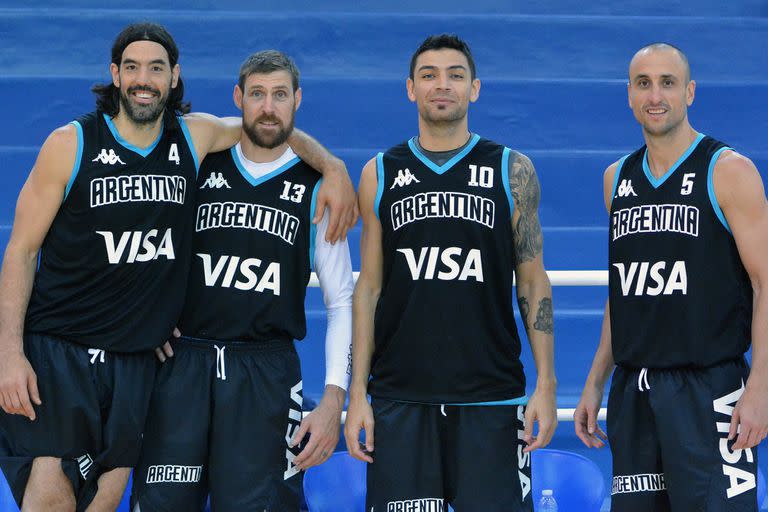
x: 268, y: 105
x: 442, y: 82
x: 656, y: 96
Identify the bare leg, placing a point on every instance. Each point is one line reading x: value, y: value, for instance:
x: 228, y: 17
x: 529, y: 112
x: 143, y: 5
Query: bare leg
x: 111, y: 489
x: 48, y: 488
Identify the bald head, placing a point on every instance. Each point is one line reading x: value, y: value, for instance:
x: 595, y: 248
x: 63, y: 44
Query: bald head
x: 663, y: 47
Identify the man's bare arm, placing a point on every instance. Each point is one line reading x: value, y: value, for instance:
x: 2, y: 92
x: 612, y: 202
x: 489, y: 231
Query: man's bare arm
x: 534, y: 296
x: 37, y: 205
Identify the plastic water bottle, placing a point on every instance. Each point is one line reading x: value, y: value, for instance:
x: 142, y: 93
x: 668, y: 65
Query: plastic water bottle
x: 547, y: 502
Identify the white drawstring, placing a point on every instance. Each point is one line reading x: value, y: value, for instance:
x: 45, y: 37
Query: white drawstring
x: 642, y: 380
x: 221, y: 371
x: 96, y: 353
x: 442, y: 410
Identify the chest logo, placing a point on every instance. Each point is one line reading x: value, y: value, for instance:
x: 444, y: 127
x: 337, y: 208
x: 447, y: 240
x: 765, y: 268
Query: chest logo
x: 404, y: 177
x: 108, y: 157
x: 625, y: 189
x: 215, y: 181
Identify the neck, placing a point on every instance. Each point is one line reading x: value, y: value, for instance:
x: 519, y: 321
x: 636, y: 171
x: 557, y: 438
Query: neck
x: 665, y: 150
x: 260, y: 154
x: 443, y: 136
x: 140, y: 135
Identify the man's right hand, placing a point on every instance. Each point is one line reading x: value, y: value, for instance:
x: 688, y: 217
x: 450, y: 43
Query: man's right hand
x: 18, y: 385
x: 585, y: 418
x: 359, y: 417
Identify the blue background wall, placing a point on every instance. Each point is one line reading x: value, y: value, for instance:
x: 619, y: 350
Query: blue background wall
x: 553, y: 86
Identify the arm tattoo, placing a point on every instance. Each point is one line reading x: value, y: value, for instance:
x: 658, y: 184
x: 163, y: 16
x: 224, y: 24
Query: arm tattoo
x: 544, y: 321
x: 526, y: 193
x: 525, y: 308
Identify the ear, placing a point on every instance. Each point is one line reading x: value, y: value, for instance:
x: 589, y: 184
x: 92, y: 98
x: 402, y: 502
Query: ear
x: 409, y: 88
x: 237, y: 96
x: 690, y: 92
x: 629, y: 95
x: 114, y: 70
x: 175, y: 73
x: 297, y: 99
x: 474, y: 93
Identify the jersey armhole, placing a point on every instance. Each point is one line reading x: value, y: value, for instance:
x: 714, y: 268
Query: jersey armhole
x: 78, y: 159
x: 313, y: 226
x: 190, y: 144
x: 711, y: 187
x: 379, y: 183
x: 505, y: 156
x: 616, y: 176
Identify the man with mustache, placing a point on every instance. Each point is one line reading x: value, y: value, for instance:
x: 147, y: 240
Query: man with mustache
x: 449, y: 219
x: 108, y: 207
x: 225, y: 416
x: 687, y: 293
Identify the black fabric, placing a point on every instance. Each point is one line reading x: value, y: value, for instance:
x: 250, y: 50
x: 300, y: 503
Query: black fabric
x: 114, y: 263
x: 92, y: 414
x: 251, y: 261
x: 668, y: 453
x: 223, y: 428
x: 444, y: 326
x: 428, y: 456
x: 679, y: 294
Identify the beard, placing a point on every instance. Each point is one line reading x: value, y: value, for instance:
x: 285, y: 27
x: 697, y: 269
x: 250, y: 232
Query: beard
x: 271, y: 140
x: 143, y: 114
x: 443, y: 115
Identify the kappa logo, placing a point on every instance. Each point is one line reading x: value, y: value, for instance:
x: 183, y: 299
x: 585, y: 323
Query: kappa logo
x: 108, y: 158
x: 625, y: 189
x: 215, y: 181
x: 404, y: 177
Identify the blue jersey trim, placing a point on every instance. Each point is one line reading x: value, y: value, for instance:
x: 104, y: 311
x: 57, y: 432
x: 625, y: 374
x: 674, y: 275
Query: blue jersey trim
x: 188, y: 136
x: 711, y: 188
x: 657, y: 182
x: 128, y: 145
x: 523, y: 400
x: 78, y: 159
x: 616, y: 176
x: 441, y: 169
x: 258, y: 181
x: 505, y: 180
x: 379, y: 183
x: 313, y: 226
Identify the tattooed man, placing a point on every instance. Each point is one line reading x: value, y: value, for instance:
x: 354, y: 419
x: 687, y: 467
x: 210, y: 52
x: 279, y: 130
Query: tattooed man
x: 448, y: 219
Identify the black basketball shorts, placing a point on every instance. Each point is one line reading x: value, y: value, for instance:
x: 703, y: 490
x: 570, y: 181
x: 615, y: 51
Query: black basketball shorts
x: 221, y: 417
x: 668, y: 432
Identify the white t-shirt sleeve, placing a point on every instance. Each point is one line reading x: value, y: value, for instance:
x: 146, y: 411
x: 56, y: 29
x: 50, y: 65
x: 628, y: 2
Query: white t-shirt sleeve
x: 333, y: 266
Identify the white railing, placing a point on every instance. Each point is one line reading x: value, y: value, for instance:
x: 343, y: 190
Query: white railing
x: 557, y: 278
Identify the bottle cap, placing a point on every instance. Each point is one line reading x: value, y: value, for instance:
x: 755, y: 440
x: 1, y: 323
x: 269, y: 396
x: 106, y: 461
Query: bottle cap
x: 546, y: 492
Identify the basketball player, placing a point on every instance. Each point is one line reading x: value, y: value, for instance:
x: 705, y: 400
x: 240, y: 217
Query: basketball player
x: 449, y: 218
x: 225, y: 416
x: 109, y: 203
x: 688, y: 272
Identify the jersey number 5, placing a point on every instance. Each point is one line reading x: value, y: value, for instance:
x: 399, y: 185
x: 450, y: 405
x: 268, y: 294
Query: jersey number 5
x: 687, y: 184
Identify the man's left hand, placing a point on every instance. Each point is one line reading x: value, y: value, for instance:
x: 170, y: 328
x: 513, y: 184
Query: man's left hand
x: 541, y: 409
x: 750, y: 419
x: 338, y: 195
x: 324, y: 425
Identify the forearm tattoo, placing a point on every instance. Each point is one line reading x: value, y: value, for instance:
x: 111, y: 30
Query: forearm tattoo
x: 525, y: 308
x: 526, y: 193
x: 544, y: 321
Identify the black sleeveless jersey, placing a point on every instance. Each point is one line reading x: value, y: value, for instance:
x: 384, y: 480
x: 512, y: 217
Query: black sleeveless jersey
x: 252, y: 251
x: 113, y: 265
x: 444, y: 326
x: 679, y: 294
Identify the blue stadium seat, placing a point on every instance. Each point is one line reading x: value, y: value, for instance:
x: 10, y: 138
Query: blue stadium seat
x: 7, y: 503
x: 576, y: 481
x: 338, y: 484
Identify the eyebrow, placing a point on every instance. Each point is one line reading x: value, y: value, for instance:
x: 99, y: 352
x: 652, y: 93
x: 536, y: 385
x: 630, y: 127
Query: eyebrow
x: 455, y: 66
x: 664, y: 76
x: 155, y: 61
